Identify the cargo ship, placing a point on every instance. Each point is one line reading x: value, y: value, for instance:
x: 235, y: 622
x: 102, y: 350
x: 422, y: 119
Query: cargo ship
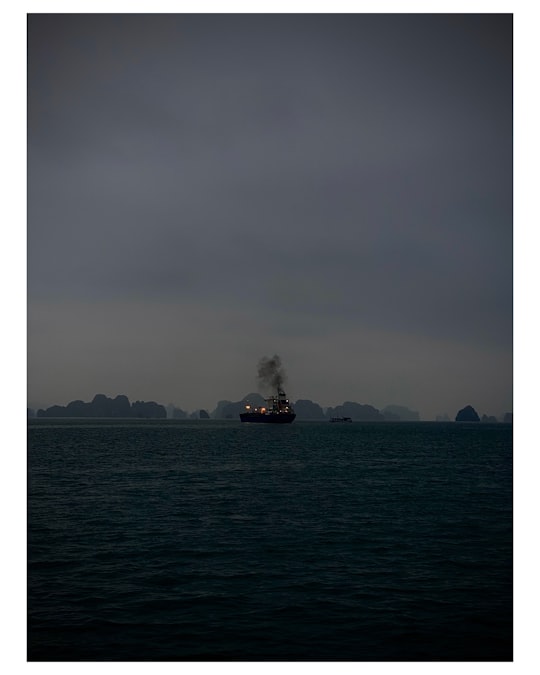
x: 278, y: 410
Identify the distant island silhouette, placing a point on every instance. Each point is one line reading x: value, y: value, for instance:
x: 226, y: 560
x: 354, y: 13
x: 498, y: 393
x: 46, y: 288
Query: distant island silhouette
x: 307, y: 410
x: 103, y: 406
x: 467, y: 414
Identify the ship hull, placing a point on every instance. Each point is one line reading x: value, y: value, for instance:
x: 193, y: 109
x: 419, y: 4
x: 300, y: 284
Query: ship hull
x: 267, y: 418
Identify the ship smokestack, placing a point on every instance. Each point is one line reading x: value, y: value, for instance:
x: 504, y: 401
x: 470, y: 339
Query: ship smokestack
x: 270, y: 373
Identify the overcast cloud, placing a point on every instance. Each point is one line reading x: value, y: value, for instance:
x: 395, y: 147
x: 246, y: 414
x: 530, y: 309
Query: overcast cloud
x: 205, y: 190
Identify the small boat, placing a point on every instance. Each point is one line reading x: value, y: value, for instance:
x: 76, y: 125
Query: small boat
x: 340, y: 419
x: 278, y: 410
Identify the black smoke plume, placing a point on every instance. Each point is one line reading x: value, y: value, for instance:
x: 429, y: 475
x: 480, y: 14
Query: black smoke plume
x: 270, y: 373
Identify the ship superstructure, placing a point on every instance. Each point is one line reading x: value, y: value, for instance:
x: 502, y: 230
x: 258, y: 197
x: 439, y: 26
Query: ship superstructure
x: 278, y: 410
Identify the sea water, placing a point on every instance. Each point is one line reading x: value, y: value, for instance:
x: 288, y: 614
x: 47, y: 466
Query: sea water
x: 207, y: 540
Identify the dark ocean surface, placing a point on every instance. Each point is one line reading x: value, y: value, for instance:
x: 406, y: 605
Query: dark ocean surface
x: 207, y: 540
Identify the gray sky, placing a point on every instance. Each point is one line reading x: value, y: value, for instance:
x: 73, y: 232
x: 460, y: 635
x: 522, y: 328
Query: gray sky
x: 206, y: 190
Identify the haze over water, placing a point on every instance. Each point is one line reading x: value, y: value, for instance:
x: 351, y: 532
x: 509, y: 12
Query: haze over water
x: 206, y: 189
x: 334, y: 188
